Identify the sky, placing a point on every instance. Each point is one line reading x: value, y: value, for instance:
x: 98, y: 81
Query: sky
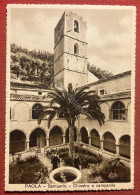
x: 110, y: 33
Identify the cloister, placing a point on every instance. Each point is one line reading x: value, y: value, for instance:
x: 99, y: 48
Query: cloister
x: 39, y: 138
x: 113, y: 138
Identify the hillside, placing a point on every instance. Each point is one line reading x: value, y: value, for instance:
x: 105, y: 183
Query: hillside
x: 99, y: 73
x: 38, y: 67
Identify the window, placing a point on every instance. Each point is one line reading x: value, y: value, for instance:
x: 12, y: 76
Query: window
x: 60, y: 115
x: 36, y: 110
x: 118, y: 111
x: 76, y: 49
x: 76, y: 26
x: 39, y: 93
x: 102, y: 92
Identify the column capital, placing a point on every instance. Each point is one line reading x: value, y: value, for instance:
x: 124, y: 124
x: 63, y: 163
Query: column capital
x: 27, y: 140
x: 101, y: 140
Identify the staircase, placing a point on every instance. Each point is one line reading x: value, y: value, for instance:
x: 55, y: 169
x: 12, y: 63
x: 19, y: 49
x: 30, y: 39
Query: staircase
x: 45, y: 161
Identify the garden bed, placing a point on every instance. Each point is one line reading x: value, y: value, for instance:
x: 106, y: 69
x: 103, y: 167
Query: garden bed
x: 30, y: 171
x: 98, y: 169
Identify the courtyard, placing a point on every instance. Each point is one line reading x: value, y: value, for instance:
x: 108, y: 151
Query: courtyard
x: 35, y: 168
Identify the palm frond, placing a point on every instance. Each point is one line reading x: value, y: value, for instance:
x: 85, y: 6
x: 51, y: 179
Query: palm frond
x: 43, y: 114
x: 51, y: 116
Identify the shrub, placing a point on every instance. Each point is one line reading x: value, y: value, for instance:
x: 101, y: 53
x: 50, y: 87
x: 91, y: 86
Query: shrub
x: 63, y: 154
x: 26, y: 171
x: 49, y: 154
x: 80, y: 150
x: 63, y: 150
x: 102, y: 169
x: 113, y: 176
x: 96, y: 179
x: 32, y: 159
x: 68, y: 161
x: 85, y: 160
x: 122, y: 174
x: 28, y: 178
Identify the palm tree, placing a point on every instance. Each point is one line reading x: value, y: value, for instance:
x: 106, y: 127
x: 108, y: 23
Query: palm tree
x: 71, y: 104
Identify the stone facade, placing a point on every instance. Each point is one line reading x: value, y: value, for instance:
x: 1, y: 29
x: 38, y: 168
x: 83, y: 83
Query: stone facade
x: 85, y: 129
x: 70, y: 51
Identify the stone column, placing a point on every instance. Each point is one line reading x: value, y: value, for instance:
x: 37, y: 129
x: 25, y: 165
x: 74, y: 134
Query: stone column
x: 102, y: 144
x: 12, y: 114
x: 30, y: 114
x: 89, y: 140
x: 64, y: 138
x: 27, y: 144
x: 47, y: 141
x: 117, y: 150
x: 79, y: 137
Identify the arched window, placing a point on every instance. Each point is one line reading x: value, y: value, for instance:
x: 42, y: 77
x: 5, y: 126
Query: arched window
x: 118, y: 111
x: 76, y: 26
x: 36, y: 110
x: 124, y: 148
x: 76, y: 49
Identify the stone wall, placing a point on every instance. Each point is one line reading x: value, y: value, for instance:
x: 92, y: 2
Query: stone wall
x: 121, y: 83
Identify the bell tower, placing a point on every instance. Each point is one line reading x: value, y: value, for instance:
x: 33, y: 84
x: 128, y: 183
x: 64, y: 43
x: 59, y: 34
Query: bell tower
x: 70, y: 51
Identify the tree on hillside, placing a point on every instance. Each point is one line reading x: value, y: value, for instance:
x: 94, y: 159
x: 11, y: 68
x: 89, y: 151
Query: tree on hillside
x: 98, y: 72
x: 70, y: 104
x: 35, y: 66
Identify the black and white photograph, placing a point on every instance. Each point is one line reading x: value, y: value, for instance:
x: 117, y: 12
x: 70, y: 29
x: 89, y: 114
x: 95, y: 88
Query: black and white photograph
x: 70, y: 86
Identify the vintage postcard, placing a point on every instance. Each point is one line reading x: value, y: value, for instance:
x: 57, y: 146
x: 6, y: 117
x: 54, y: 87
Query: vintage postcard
x: 70, y: 97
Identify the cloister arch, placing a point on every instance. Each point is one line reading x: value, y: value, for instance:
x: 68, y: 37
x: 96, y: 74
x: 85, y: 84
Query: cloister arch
x: 56, y: 136
x: 109, y: 143
x: 37, y: 138
x: 67, y: 135
x: 124, y: 147
x: 95, y: 138
x: 84, y: 135
x: 17, y: 141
